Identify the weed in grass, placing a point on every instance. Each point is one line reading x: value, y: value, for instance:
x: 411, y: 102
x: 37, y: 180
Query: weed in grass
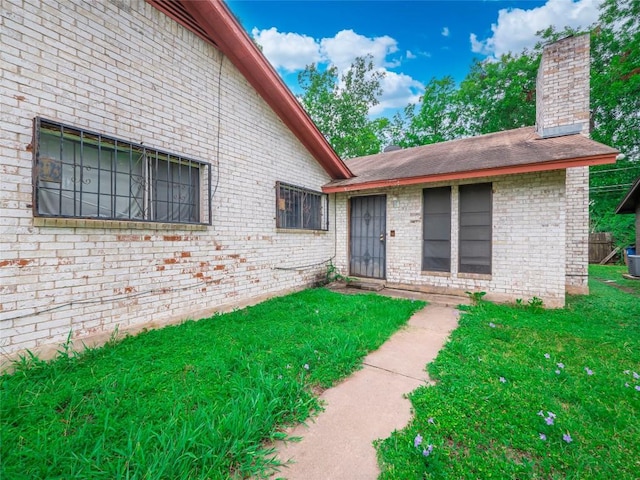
x: 198, y: 400
x: 569, y: 407
x: 334, y: 275
x: 476, y: 297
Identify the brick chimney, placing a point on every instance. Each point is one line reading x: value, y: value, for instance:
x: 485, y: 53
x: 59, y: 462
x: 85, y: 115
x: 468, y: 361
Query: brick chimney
x: 562, y: 108
x: 562, y: 88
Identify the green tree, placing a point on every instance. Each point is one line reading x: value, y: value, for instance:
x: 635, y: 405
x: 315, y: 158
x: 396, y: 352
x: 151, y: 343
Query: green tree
x: 435, y: 119
x: 494, y: 96
x: 615, y: 105
x: 340, y: 106
x: 499, y: 95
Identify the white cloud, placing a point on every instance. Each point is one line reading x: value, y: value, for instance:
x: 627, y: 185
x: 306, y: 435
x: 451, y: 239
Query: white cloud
x: 287, y: 51
x: 294, y: 51
x: 342, y: 49
x: 516, y: 28
x: 399, y: 90
x: 445, y: 32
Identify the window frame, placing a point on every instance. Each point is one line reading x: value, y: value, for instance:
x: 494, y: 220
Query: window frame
x: 144, y: 203
x: 426, y: 230
x: 282, y: 220
x: 468, y: 268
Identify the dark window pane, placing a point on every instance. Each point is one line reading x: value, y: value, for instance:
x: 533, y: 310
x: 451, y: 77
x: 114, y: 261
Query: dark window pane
x: 475, y: 228
x: 87, y: 175
x: 175, y: 192
x: 436, y: 248
x: 300, y: 208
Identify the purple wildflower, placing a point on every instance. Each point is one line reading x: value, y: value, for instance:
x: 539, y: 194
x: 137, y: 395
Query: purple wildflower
x: 431, y: 421
x: 560, y: 365
x: 492, y: 325
x: 551, y: 414
x: 636, y: 376
x: 543, y: 437
x: 567, y: 438
x: 588, y: 370
x: 541, y: 413
x: 546, y: 355
x: 627, y: 384
x: 417, y: 441
x: 306, y: 366
x: 558, y: 372
x: 427, y: 451
x: 638, y: 388
x: 549, y: 420
x: 627, y: 372
x: 503, y: 380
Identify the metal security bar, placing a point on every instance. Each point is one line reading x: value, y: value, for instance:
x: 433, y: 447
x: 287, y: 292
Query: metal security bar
x: 301, y: 208
x: 82, y: 174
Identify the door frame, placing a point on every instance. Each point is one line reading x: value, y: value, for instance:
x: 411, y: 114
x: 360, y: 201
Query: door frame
x: 349, y: 216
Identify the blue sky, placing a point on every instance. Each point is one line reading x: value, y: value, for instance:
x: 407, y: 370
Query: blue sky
x: 411, y: 41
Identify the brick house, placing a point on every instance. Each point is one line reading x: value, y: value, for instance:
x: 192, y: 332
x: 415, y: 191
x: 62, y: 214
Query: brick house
x: 144, y: 148
x: 504, y: 213
x: 155, y: 168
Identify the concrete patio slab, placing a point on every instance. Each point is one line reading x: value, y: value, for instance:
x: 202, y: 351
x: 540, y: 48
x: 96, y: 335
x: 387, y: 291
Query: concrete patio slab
x: 370, y: 404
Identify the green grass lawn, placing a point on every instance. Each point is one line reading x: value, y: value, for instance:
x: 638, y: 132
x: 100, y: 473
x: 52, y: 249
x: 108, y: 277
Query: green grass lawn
x: 529, y: 393
x: 195, y: 401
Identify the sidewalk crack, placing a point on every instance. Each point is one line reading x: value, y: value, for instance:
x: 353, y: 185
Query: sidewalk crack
x: 394, y: 372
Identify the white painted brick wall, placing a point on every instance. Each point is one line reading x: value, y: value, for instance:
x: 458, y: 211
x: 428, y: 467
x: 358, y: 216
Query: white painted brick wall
x: 528, y: 226
x: 126, y: 70
x: 577, y: 230
x: 562, y: 84
x: 562, y: 98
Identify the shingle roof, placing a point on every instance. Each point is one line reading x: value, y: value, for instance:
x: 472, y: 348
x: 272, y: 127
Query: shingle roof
x: 513, y: 151
x: 631, y: 199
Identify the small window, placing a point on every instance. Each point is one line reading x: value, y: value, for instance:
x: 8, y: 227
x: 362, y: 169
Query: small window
x: 475, y: 228
x: 80, y: 174
x: 300, y: 208
x: 436, y: 229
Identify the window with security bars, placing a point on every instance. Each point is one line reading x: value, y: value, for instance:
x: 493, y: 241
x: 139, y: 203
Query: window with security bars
x: 81, y: 174
x: 300, y: 208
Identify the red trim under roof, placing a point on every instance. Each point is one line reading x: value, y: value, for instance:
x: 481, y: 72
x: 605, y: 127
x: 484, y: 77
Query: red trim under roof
x: 487, y: 172
x: 212, y: 21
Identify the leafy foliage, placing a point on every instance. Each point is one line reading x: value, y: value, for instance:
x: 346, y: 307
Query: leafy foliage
x: 615, y: 103
x: 340, y: 107
x: 436, y: 118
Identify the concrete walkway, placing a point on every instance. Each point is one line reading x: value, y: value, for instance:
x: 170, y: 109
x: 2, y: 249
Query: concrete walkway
x: 370, y: 404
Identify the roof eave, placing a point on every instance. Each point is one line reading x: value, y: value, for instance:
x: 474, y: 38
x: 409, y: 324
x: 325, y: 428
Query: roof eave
x: 218, y: 25
x: 628, y: 203
x: 470, y: 174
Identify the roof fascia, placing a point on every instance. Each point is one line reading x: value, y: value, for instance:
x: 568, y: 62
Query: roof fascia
x: 487, y: 172
x: 220, y: 25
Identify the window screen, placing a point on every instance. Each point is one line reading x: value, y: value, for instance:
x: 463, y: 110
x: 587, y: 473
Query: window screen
x: 436, y: 229
x: 475, y: 228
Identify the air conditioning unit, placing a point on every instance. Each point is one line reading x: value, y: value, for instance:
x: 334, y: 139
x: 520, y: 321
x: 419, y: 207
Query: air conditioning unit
x: 634, y: 265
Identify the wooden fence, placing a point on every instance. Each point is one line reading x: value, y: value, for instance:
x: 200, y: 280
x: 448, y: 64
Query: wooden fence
x: 600, y: 246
